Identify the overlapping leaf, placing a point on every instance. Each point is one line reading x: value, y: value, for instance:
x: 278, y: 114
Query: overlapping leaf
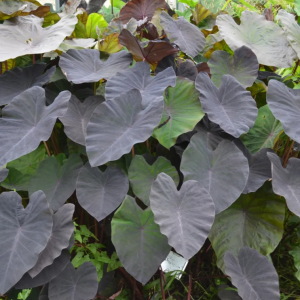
x: 264, y: 133
x: 261, y: 212
x: 100, y: 193
x: 184, y: 216
x: 62, y: 230
x: 18, y: 80
x: 243, y: 66
x: 3, y: 174
x: 253, y: 274
x: 285, y: 106
x: 286, y: 181
x: 230, y: 105
x: 71, y: 284
x: 139, y: 77
x: 142, y: 175
x: 140, y: 246
x: 27, y: 36
x: 24, y: 233
x: 85, y: 65
x: 182, y: 111
x: 21, y: 133
x: 266, y: 39
x: 116, y: 126
x: 16, y: 180
x: 185, y: 35
x: 77, y: 117
x: 141, y: 9
x: 216, y: 170
x: 57, y: 181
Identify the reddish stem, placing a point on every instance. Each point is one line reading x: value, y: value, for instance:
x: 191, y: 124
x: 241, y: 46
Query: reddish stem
x: 54, y: 145
x: 6, y: 66
x: 46, y: 146
x: 288, y: 154
x: 33, y: 59
x: 102, y: 231
x: 190, y: 287
x: 132, y: 151
x: 161, y: 284
x: 163, y: 275
x: 96, y: 229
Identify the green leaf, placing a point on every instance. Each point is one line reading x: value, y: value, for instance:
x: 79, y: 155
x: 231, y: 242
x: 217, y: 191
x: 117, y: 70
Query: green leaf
x: 295, y: 252
x: 139, y: 244
x: 142, y: 175
x: 16, y: 180
x: 190, y: 3
x: 28, y: 163
x: 79, y: 259
x: 182, y: 111
x: 118, y: 4
x: 255, y: 220
x: 93, y: 21
x: 264, y: 133
x: 114, y: 263
x: 78, y: 236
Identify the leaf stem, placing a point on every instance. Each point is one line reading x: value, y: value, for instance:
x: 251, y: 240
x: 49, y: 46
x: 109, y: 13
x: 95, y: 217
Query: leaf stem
x: 102, y: 231
x: 46, y: 146
x: 296, y: 67
x: 96, y: 230
x: 190, y: 287
x: 225, y: 5
x: 161, y: 284
x: 6, y: 66
x: 54, y: 145
x: 33, y: 59
x: 132, y: 151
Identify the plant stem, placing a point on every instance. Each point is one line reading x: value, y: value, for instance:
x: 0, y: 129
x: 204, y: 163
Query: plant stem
x: 132, y: 151
x: 82, y: 216
x: 225, y: 5
x: 296, y: 67
x: 112, y: 6
x: 165, y: 282
x: 46, y: 146
x: 190, y: 287
x: 54, y: 145
x: 6, y: 66
x: 102, y: 231
x: 288, y: 154
x: 161, y: 284
x: 0, y: 68
x: 96, y: 230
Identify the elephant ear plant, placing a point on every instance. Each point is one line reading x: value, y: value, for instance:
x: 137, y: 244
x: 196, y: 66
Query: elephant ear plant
x: 122, y: 140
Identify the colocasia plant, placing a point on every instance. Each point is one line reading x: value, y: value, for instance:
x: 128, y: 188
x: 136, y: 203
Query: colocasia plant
x: 154, y: 133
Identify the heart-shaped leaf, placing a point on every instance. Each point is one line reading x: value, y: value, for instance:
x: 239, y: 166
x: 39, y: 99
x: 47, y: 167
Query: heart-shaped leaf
x: 100, y: 193
x: 142, y: 175
x: 226, y: 293
x: 71, y: 284
x: 77, y: 117
x: 185, y: 35
x: 285, y: 106
x: 182, y: 111
x: 141, y: 9
x: 62, y: 230
x: 85, y: 65
x: 139, y: 77
x: 262, y: 211
x: 140, y: 246
x: 95, y: 20
x: 285, y: 181
x: 216, y: 170
x: 266, y: 39
x: 17, y: 80
x: 23, y: 235
x: 21, y: 133
x: 57, y: 181
x: 16, y: 180
x: 264, y: 133
x: 230, y: 105
x: 115, y: 126
x: 184, y: 216
x: 253, y: 274
x: 291, y: 28
x: 243, y: 66
x: 153, y: 52
x: 47, y: 274
x: 27, y: 36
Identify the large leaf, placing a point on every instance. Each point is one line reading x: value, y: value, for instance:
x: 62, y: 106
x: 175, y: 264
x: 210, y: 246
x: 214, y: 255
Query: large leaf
x: 264, y: 133
x: 85, y: 65
x: 21, y: 132
x: 115, y: 126
x: 27, y: 36
x: 77, y: 117
x: 253, y: 274
x: 286, y: 181
x: 142, y: 175
x: 230, y: 105
x: 285, y: 106
x: 24, y: 233
x: 47, y: 274
x: 255, y: 220
x: 57, y: 181
x: 18, y: 80
x: 291, y: 28
x: 95, y: 21
x: 185, y: 35
x: 184, y: 216
x: 216, y: 170
x: 62, y: 230
x: 16, y: 180
x: 10, y: 9
x: 71, y: 284
x: 100, y: 193
x: 182, y: 111
x: 3, y: 174
x: 153, y: 52
x: 226, y: 293
x: 139, y: 77
x: 243, y: 66
x: 266, y: 39
x: 141, y: 9
x: 140, y: 246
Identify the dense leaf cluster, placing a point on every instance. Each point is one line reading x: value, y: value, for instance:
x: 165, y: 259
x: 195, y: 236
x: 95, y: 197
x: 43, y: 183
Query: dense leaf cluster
x: 169, y: 132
